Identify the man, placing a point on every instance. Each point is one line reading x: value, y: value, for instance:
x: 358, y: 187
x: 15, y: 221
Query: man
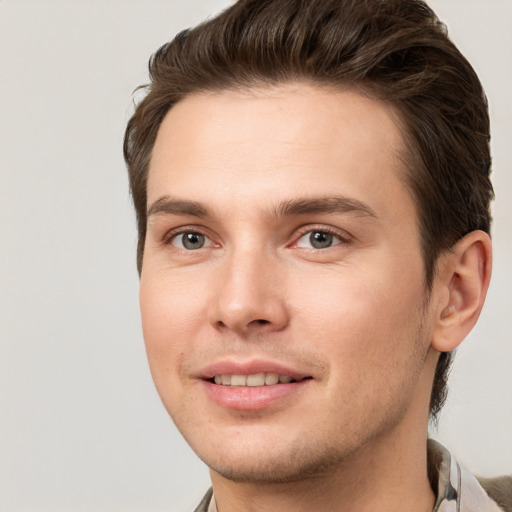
x: 311, y: 182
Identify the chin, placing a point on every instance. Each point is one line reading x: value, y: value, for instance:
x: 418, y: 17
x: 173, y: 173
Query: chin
x: 291, y: 462
x: 296, y: 454
x: 288, y: 471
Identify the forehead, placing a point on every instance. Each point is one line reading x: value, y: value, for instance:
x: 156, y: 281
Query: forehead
x: 271, y: 141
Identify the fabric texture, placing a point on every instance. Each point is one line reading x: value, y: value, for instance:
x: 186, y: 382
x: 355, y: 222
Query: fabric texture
x: 457, y: 490
x: 460, y: 491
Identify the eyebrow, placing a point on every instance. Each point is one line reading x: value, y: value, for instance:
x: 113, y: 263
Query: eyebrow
x: 301, y: 206
x: 327, y: 204
x: 171, y: 206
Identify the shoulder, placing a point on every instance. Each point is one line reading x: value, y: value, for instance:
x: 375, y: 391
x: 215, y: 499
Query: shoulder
x: 499, y: 489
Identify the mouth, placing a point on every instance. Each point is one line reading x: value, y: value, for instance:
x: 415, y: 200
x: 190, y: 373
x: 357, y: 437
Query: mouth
x: 254, y: 385
x: 254, y: 380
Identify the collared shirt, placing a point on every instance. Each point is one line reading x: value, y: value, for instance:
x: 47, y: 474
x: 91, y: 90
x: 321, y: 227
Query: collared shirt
x: 457, y: 489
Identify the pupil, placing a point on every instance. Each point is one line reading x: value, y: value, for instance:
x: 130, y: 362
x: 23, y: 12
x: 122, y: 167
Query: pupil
x: 320, y: 239
x: 193, y: 240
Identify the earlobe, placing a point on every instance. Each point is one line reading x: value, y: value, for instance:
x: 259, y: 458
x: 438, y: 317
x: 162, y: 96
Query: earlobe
x: 463, y: 280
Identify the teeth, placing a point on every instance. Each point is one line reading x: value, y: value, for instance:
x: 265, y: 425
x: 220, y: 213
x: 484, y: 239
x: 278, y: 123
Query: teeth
x: 238, y: 380
x: 271, y: 378
x: 255, y: 380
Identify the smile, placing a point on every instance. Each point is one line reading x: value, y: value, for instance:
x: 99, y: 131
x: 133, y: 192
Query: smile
x: 254, y: 391
x: 254, y: 380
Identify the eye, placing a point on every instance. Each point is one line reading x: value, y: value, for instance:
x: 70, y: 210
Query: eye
x: 318, y: 239
x: 190, y: 241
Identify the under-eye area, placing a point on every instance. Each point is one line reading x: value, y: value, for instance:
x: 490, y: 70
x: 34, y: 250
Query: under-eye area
x: 254, y: 380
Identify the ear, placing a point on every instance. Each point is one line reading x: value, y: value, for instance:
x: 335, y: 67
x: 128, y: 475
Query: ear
x: 461, y: 285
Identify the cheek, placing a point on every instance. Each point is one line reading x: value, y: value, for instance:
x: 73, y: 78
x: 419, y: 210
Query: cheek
x: 371, y: 340
x: 361, y: 319
x: 169, y: 324
x: 170, y: 303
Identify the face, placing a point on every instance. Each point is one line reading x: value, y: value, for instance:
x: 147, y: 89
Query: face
x: 282, y: 289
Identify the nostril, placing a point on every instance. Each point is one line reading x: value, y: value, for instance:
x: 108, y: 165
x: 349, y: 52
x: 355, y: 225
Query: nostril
x: 258, y: 321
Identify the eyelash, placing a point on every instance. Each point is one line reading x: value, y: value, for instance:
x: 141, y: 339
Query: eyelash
x: 342, y: 236
x: 173, y: 234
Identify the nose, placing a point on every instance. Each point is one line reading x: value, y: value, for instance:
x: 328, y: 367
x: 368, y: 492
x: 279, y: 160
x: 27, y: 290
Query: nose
x: 250, y: 295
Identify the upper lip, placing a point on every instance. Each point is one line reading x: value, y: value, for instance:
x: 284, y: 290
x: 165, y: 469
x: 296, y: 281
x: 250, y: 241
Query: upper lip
x: 231, y: 367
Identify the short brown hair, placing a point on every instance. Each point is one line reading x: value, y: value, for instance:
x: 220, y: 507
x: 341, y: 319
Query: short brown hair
x: 396, y: 51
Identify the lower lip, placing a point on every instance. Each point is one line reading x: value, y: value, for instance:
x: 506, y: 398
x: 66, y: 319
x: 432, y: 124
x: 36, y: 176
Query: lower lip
x: 252, y: 398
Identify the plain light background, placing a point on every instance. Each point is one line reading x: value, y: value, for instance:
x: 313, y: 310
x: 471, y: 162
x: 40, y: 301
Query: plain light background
x: 81, y: 427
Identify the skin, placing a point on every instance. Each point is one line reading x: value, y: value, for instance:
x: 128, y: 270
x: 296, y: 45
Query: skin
x: 352, y: 316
